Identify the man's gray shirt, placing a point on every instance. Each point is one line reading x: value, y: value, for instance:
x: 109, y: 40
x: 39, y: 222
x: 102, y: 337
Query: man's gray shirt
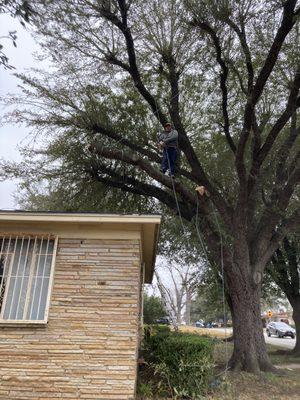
x: 169, y: 138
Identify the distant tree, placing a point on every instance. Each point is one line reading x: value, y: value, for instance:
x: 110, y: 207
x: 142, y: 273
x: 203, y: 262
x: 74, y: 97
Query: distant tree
x: 209, y: 301
x: 177, y: 284
x: 153, y: 309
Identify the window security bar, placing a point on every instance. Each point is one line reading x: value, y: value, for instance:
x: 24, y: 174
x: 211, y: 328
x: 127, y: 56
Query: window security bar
x: 26, y: 277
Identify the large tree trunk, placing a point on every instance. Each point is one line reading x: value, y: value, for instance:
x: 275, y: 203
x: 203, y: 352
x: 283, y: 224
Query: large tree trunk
x: 296, y: 317
x: 250, y: 351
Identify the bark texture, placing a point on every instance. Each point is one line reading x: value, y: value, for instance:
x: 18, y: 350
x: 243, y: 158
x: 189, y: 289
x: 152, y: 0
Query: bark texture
x: 296, y: 317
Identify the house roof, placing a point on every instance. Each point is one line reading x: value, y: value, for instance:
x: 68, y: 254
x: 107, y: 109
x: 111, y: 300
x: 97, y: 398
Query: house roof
x: 91, y: 225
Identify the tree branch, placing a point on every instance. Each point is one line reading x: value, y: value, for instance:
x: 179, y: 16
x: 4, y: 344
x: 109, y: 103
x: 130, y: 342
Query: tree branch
x: 223, y: 78
x: 97, y: 128
x: 282, y: 120
x: 131, y: 185
x: 184, y: 142
x: 287, y: 23
x: 122, y: 25
x: 243, y: 40
x: 287, y: 227
x: 145, y: 166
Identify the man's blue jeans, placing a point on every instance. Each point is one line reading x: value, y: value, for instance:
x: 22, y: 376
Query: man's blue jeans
x: 169, y: 157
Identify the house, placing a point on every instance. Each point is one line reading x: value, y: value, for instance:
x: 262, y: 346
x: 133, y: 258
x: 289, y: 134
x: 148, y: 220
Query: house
x: 70, y: 300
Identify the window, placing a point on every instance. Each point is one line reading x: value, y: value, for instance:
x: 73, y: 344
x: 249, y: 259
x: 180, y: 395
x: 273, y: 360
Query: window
x: 26, y: 275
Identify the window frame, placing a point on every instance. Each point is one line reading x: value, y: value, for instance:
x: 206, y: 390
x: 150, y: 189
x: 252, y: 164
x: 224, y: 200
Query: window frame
x: 28, y: 322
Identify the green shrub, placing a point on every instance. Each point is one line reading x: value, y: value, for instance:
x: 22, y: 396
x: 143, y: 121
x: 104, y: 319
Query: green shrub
x: 144, y: 390
x: 183, y: 362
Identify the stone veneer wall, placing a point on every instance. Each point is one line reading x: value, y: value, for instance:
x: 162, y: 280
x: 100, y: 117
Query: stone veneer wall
x: 89, y: 348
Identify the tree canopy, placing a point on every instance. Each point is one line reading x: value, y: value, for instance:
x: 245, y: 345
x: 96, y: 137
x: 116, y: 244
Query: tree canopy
x: 227, y: 75
x: 21, y: 9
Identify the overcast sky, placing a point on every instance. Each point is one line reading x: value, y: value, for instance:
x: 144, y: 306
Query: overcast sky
x: 11, y: 136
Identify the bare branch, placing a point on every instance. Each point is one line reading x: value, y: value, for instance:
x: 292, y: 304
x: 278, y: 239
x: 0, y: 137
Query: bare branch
x: 243, y: 40
x: 223, y: 78
x: 282, y: 120
x: 287, y: 23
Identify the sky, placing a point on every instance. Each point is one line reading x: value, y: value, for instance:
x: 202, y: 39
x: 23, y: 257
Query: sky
x: 12, y: 136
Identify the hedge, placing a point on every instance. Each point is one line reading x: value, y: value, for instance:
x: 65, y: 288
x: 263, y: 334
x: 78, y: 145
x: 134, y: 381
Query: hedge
x: 183, y: 362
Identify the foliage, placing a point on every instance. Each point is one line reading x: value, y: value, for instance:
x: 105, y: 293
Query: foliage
x: 153, y: 309
x: 21, y: 9
x: 183, y: 362
x: 284, y: 270
x: 226, y: 73
x: 208, y: 304
x: 144, y: 390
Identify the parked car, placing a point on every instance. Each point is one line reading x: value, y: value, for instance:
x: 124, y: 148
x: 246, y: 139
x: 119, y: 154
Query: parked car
x: 163, y: 321
x: 199, y: 324
x: 280, y: 329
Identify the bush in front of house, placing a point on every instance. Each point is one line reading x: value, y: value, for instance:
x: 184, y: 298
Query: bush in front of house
x: 182, y: 363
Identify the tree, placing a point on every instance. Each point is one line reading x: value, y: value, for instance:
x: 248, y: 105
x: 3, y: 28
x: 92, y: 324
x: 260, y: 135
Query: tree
x: 153, y: 309
x: 209, y: 301
x: 284, y: 269
x: 177, y: 284
x: 16, y: 8
x: 123, y: 68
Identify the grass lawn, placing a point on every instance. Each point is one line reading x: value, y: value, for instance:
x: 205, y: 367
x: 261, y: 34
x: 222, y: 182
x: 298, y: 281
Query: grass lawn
x: 213, y: 332
x: 266, y: 386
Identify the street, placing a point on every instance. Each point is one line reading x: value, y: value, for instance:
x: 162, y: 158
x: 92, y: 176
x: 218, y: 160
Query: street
x: 286, y: 342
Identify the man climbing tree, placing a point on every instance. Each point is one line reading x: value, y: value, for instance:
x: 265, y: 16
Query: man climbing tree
x: 210, y: 68
x: 168, y: 142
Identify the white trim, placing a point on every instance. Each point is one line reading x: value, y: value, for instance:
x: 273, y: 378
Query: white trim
x: 17, y: 272
x: 8, y: 279
x: 19, y: 322
x: 43, y: 278
x: 51, y: 279
x: 30, y: 279
x: 78, y: 217
x: 5, y: 264
x: 23, y: 276
x: 37, y: 268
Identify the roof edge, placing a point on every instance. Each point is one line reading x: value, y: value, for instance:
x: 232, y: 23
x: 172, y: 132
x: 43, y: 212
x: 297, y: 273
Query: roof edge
x: 78, y: 217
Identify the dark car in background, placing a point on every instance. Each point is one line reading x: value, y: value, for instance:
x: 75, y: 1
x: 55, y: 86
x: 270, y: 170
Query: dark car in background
x: 163, y: 321
x: 280, y: 329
